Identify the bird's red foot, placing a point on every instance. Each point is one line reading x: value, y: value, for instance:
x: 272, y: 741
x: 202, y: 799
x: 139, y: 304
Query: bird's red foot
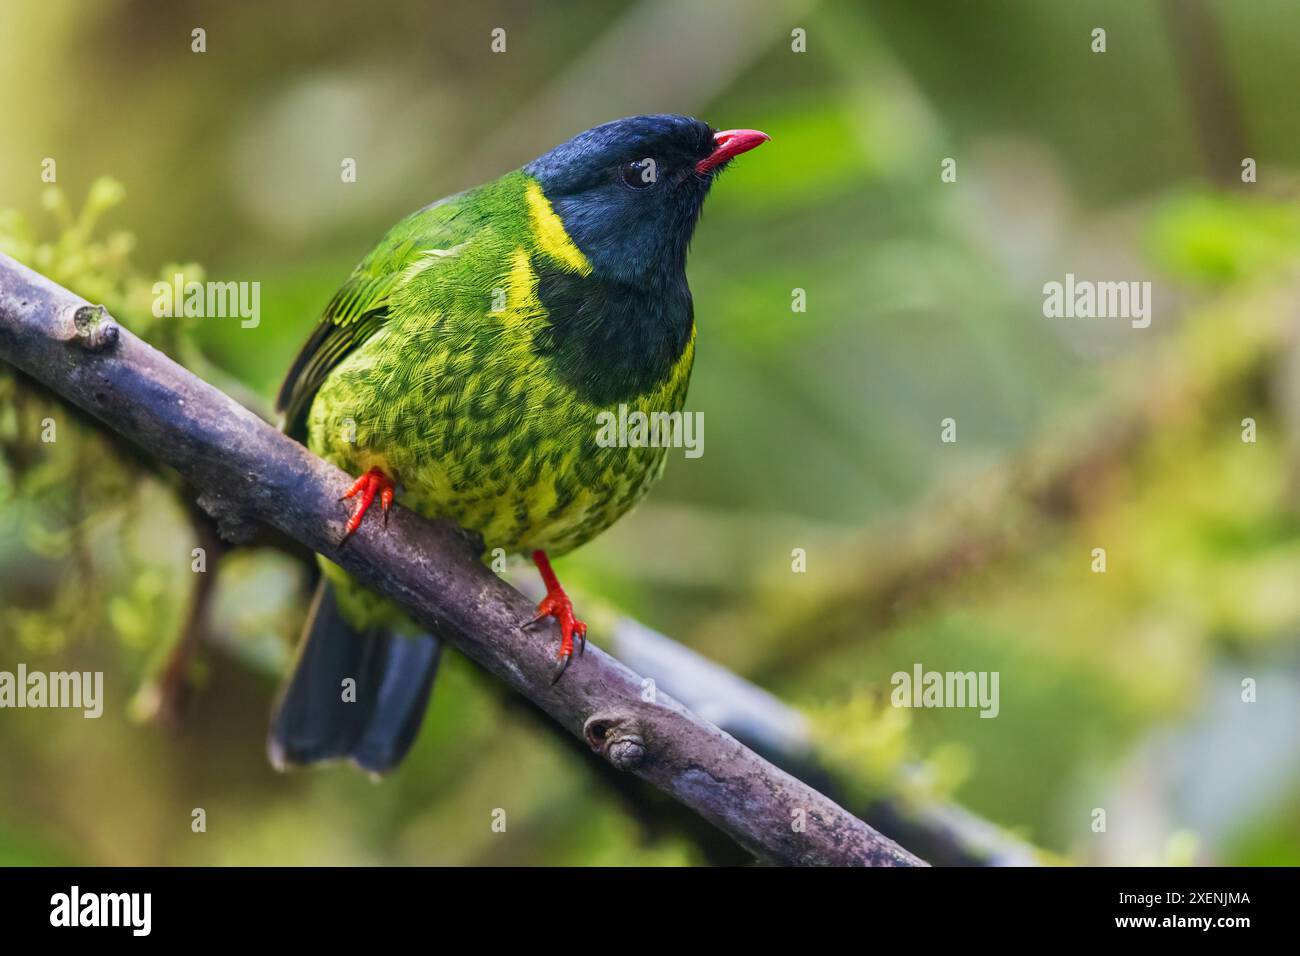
x: 556, y: 604
x: 374, y: 482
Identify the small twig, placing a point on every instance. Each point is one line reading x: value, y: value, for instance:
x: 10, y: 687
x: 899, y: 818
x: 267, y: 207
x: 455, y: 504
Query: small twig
x: 173, y: 688
x: 1196, y: 40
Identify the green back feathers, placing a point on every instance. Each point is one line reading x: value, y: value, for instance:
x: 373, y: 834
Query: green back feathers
x: 360, y: 308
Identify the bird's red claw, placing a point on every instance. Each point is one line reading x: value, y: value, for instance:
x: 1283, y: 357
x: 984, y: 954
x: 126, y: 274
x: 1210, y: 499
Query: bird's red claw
x: 556, y: 604
x: 374, y: 482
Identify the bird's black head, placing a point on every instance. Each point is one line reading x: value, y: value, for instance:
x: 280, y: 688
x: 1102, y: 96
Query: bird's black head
x: 629, y: 192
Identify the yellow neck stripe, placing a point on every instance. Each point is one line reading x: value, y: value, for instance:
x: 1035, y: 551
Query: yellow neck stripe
x: 550, y: 234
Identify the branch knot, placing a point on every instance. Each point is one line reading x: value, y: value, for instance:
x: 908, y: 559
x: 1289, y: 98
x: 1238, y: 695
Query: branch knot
x: 617, y: 737
x: 96, y: 329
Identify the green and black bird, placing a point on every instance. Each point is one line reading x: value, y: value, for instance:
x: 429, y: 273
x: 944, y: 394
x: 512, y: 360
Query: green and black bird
x: 463, y: 366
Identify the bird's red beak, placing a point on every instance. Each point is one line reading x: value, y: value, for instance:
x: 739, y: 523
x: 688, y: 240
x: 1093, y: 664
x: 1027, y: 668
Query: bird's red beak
x: 729, y: 143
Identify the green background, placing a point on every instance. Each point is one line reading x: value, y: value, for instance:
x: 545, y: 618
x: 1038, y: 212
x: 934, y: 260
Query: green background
x: 1119, y: 691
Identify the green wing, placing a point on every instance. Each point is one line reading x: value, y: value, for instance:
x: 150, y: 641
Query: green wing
x: 361, y: 307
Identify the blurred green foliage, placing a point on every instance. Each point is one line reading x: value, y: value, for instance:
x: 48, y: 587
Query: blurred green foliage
x: 1119, y: 690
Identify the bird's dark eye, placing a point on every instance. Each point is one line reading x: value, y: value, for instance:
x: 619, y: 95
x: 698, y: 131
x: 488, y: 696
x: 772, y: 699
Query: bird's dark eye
x: 641, y: 174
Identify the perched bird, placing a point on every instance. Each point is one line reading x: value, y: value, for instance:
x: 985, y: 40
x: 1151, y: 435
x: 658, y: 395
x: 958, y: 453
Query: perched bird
x: 462, y: 367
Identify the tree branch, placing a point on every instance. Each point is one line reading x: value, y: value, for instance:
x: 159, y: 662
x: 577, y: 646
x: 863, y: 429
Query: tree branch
x: 248, y: 472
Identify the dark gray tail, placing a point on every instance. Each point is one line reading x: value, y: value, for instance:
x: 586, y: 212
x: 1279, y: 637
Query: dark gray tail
x: 313, y: 722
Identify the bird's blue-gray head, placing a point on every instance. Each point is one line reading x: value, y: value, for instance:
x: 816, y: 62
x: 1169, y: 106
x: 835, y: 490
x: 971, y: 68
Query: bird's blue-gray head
x: 629, y: 192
